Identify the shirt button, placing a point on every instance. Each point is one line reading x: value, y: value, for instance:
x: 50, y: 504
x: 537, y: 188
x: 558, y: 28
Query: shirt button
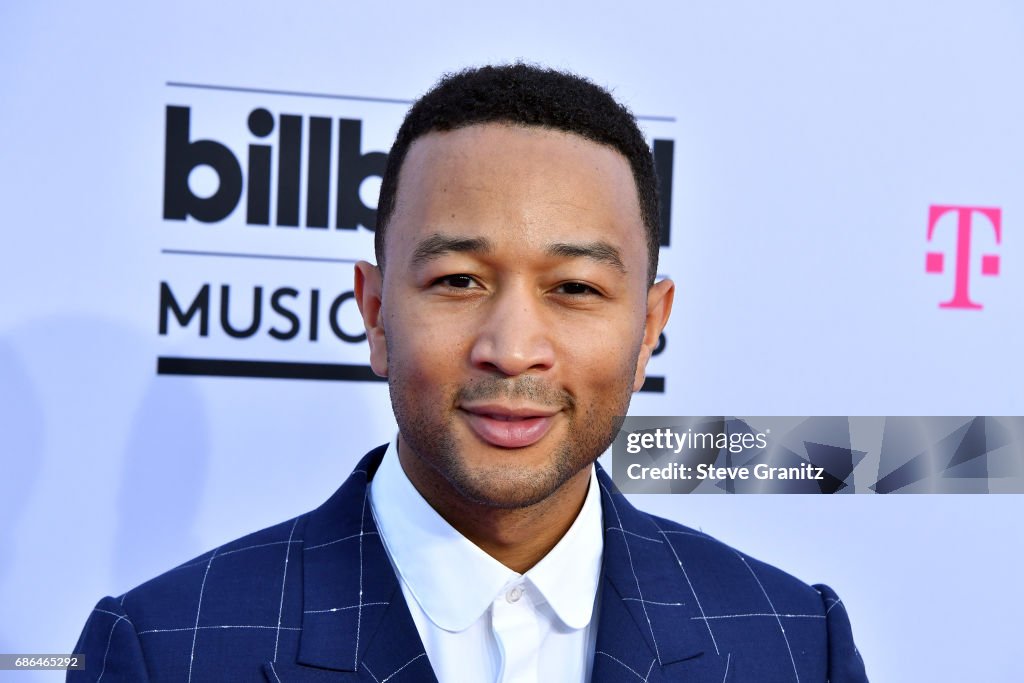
x: 514, y: 594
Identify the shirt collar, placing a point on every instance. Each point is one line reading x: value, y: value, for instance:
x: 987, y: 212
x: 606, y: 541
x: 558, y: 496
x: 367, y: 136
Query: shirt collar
x: 568, y: 575
x: 454, y: 581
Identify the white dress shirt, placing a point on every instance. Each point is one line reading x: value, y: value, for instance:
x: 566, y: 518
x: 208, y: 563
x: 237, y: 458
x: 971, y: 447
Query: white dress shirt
x: 478, y: 619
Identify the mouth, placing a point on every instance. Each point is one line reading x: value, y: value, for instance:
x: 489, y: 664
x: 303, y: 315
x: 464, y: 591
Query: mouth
x: 507, y: 426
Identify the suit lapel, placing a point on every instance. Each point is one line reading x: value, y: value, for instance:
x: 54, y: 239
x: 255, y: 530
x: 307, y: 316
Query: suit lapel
x: 649, y: 627
x: 356, y: 625
x: 393, y: 652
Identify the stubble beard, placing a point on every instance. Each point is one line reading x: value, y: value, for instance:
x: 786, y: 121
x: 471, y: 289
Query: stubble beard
x: 429, y: 431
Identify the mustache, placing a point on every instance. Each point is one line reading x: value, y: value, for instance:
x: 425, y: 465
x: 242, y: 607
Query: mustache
x: 527, y: 387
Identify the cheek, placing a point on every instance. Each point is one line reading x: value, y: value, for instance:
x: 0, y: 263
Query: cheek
x: 422, y: 351
x: 603, y: 361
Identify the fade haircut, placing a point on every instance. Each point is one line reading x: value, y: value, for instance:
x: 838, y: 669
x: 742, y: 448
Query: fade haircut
x: 527, y: 95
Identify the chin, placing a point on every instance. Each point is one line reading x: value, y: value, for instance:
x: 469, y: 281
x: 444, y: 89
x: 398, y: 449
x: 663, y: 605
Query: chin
x: 512, y: 484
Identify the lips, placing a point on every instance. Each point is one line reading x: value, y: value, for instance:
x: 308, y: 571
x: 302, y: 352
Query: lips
x: 506, y: 427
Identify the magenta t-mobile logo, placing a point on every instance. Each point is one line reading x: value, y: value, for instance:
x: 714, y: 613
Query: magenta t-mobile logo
x: 936, y: 260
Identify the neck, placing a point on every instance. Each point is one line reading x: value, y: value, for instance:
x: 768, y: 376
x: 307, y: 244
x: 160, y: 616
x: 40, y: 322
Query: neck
x: 518, y: 537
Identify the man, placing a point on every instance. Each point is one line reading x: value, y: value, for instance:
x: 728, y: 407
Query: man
x: 513, y: 310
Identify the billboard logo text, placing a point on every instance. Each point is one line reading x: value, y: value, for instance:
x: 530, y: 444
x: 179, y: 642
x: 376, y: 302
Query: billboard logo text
x: 183, y: 154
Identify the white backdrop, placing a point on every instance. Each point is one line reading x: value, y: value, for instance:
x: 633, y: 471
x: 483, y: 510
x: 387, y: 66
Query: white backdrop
x: 809, y: 144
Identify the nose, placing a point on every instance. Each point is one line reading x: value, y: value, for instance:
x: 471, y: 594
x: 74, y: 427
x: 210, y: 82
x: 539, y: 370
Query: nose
x: 515, y: 335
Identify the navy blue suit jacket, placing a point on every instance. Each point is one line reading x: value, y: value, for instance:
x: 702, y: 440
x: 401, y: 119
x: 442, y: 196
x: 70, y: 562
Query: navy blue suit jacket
x: 315, y: 600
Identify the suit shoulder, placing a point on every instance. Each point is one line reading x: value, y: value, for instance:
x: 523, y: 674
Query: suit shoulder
x: 243, y: 575
x: 724, y: 569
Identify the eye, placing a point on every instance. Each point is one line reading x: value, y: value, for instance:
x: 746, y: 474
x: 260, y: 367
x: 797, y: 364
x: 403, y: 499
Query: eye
x: 458, y: 281
x: 576, y: 289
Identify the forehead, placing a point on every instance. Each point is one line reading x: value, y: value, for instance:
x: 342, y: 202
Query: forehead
x: 524, y: 184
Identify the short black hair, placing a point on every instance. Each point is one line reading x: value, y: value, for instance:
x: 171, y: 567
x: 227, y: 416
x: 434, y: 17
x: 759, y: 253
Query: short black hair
x: 524, y: 94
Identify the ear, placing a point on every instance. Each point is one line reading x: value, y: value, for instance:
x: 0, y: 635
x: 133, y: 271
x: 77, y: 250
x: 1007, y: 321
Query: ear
x: 659, y: 307
x: 368, y: 289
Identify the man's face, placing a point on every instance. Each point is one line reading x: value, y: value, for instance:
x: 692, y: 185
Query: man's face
x: 514, y: 319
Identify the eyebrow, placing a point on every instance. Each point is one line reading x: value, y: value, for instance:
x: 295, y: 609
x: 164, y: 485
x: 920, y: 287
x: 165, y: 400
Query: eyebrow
x: 602, y: 252
x: 437, y: 245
